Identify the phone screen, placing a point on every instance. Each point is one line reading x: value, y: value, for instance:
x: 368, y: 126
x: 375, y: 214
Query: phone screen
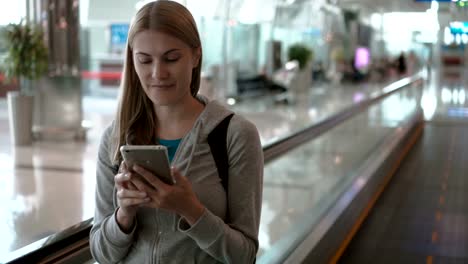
x: 152, y: 158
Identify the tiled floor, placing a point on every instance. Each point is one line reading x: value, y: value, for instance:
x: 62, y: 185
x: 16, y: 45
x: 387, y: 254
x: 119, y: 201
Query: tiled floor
x: 49, y: 186
x: 422, y: 214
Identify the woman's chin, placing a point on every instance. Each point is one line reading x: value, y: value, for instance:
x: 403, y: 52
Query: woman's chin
x: 160, y: 98
x: 164, y: 99
x: 167, y: 98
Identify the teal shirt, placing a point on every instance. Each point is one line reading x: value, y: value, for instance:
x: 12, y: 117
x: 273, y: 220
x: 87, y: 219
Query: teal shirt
x: 171, y: 145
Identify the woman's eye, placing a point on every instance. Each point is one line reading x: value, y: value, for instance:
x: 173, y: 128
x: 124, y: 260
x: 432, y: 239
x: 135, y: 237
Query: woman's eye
x: 174, y: 59
x: 144, y: 61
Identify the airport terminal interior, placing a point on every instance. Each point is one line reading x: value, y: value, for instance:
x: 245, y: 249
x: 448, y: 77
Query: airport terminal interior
x: 361, y: 107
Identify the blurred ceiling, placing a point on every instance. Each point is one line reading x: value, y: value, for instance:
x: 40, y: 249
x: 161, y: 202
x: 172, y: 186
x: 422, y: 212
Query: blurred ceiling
x: 372, y: 6
x: 255, y: 11
x: 386, y: 6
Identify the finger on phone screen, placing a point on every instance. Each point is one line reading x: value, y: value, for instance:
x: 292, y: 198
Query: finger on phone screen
x: 122, y: 167
x: 123, y: 179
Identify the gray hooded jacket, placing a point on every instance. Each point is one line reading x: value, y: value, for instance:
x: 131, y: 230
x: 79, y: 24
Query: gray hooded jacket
x: 161, y: 236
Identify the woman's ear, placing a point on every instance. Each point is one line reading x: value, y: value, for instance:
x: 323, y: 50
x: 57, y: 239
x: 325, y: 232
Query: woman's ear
x: 196, y: 57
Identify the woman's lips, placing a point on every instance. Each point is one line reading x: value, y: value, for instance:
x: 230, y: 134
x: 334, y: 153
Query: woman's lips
x: 161, y: 86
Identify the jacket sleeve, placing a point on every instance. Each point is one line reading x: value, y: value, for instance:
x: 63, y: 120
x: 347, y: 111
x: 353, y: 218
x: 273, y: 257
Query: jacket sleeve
x: 108, y: 243
x: 237, y: 241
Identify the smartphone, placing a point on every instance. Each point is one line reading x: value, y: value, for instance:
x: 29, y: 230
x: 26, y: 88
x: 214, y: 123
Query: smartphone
x: 151, y: 157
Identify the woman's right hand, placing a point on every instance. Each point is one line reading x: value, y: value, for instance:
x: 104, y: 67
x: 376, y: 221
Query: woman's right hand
x: 129, y: 198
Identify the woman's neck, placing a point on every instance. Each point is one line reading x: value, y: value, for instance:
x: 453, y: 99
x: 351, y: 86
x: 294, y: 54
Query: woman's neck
x: 176, y: 120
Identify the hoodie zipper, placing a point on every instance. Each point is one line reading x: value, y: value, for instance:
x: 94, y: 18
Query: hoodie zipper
x: 156, y: 244
x: 158, y: 238
x: 154, y: 250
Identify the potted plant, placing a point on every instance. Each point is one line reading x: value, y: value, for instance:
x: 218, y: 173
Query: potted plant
x: 301, y: 53
x: 26, y: 61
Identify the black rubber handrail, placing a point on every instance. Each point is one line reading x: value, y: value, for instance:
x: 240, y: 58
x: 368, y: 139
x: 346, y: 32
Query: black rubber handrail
x: 51, y: 245
x: 64, y: 239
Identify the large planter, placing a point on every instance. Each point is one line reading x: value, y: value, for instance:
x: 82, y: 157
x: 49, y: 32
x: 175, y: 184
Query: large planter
x: 20, y: 116
x: 58, y: 111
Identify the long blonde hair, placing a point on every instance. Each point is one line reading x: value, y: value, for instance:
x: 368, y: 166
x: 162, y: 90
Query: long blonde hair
x: 136, y: 121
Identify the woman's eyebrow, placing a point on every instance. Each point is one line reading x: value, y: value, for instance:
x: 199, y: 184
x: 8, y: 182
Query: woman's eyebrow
x: 142, y: 53
x: 146, y: 54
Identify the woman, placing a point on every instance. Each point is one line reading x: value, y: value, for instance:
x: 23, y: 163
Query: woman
x: 138, y: 218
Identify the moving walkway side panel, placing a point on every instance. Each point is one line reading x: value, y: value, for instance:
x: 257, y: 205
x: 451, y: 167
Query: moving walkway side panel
x: 328, y: 240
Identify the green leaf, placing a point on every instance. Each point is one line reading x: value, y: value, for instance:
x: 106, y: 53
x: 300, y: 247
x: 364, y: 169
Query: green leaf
x: 301, y: 53
x: 27, y: 54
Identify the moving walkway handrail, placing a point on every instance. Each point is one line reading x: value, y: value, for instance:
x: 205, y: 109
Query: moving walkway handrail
x: 278, y: 148
x: 76, y: 238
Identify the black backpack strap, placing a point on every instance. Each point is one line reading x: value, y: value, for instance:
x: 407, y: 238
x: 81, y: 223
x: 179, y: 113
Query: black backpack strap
x: 217, y: 139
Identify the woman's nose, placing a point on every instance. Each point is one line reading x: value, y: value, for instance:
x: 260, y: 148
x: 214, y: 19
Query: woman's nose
x: 159, y: 71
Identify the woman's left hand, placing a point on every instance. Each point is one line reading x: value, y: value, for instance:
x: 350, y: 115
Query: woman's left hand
x: 179, y: 198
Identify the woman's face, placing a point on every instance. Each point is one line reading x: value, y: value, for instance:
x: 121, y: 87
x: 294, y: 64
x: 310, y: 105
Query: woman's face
x: 164, y: 66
